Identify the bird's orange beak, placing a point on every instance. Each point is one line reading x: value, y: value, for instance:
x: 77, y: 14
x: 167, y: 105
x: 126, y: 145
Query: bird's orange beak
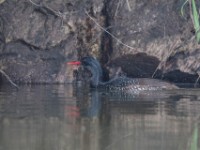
x: 74, y: 63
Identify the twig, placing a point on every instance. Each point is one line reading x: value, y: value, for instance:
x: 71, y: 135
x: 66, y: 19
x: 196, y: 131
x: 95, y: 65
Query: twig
x: 56, y: 13
x: 196, y: 82
x: 119, y: 3
x: 128, y: 5
x: 114, y: 37
x: 170, y: 52
x: 8, y: 78
x: 34, y: 3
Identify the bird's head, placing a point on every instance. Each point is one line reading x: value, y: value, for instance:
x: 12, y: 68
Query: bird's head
x: 92, y: 65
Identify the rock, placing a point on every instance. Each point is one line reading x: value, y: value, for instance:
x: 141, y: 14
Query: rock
x: 26, y: 65
x: 38, y: 37
x: 182, y: 67
x: 138, y: 65
x: 156, y: 29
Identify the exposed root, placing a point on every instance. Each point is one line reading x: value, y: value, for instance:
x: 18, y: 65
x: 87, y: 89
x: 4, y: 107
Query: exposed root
x: 8, y: 78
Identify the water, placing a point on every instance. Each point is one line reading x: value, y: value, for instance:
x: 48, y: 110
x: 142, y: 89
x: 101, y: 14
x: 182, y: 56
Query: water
x: 61, y: 117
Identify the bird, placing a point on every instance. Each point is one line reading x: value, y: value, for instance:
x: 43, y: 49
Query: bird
x: 121, y: 83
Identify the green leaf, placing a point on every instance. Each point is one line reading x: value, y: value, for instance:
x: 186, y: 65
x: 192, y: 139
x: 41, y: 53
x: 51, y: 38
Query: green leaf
x: 194, y: 141
x: 196, y: 20
x: 182, y: 11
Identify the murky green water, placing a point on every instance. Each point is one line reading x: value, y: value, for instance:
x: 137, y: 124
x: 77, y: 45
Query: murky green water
x: 60, y: 117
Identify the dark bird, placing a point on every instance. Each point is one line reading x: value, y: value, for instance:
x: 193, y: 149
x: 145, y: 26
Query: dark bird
x: 121, y: 83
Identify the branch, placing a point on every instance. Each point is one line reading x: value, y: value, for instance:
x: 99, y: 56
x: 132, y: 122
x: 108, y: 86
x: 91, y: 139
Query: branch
x: 34, y: 3
x: 8, y: 78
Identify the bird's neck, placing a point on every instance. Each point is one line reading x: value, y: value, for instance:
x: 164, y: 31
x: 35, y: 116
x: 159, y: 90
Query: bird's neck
x: 96, y: 77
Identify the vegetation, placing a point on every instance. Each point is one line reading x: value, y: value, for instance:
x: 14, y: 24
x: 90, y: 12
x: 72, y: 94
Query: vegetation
x: 195, y: 17
x: 1, y: 1
x: 194, y: 140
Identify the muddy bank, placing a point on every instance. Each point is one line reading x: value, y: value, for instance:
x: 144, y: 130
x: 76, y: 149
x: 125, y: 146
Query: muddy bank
x: 149, y: 39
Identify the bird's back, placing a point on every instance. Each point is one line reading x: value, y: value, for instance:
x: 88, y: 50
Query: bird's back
x: 137, y: 84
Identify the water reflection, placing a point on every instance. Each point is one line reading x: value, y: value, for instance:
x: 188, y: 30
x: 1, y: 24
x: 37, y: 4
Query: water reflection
x: 61, y: 117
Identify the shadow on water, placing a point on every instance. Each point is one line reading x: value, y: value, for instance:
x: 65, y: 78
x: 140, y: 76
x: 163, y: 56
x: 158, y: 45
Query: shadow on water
x: 46, y: 117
